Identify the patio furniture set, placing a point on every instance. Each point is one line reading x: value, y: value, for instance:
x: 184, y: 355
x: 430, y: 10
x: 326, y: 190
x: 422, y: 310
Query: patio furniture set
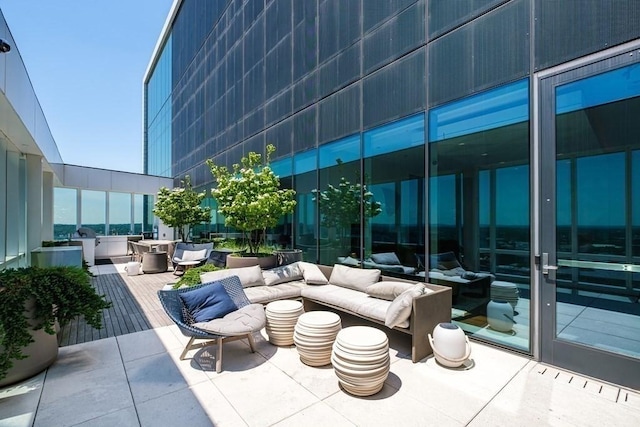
x: 296, y: 303
x: 154, y: 256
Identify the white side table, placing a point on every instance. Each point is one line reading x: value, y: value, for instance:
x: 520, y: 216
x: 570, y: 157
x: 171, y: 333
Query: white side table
x: 281, y: 320
x: 314, y: 335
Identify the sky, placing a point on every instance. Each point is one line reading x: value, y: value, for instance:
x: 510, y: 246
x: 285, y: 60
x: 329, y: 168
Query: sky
x: 86, y: 60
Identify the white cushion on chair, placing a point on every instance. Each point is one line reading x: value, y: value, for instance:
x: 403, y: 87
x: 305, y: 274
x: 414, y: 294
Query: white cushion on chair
x: 250, y: 318
x: 193, y: 255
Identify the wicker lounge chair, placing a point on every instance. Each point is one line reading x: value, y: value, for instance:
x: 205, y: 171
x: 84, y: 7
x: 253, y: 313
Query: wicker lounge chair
x: 239, y: 324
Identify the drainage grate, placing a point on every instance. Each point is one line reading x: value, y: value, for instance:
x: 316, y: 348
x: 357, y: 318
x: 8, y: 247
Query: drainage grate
x: 609, y: 392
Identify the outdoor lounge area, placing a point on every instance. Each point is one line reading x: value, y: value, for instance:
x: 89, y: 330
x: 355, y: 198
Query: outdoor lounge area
x: 131, y: 374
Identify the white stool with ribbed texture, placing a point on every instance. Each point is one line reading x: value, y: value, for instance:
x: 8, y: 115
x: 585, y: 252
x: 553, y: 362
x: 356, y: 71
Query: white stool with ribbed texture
x: 314, y: 335
x: 281, y: 320
x: 505, y: 291
x: 361, y: 360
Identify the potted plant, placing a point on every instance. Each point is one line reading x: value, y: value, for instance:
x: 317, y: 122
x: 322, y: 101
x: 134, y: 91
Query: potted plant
x: 180, y: 208
x: 33, y: 301
x: 251, y: 200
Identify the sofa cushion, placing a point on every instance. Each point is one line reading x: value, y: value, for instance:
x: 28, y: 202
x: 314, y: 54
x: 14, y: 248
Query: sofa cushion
x: 312, y: 274
x: 388, y: 258
x: 283, y: 274
x: 444, y: 261
x: 265, y: 294
x: 388, y: 290
x: 400, y: 308
x: 249, y: 276
x: 353, y: 278
x: 349, y: 300
x: 208, y: 302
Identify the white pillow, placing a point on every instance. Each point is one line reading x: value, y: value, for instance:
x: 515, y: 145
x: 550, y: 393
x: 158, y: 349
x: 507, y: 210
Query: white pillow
x: 388, y: 258
x: 312, y: 274
x: 249, y: 276
x: 347, y: 260
x: 400, y: 308
x: 283, y: 274
x: 193, y: 255
x: 353, y: 278
x: 388, y: 290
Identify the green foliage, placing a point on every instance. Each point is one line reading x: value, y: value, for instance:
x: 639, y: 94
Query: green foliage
x: 59, y: 293
x: 180, y: 208
x: 250, y: 197
x: 192, y: 276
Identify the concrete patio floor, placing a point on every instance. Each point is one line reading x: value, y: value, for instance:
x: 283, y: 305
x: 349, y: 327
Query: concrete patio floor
x: 137, y: 379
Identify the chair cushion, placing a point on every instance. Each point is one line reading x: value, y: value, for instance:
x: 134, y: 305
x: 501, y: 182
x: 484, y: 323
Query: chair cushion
x: 207, y: 302
x: 388, y: 258
x: 353, y: 278
x: 283, y: 274
x: 250, y: 318
x: 249, y: 276
x: 193, y: 255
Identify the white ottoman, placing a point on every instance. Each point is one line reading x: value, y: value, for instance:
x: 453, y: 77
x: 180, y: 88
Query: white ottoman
x: 314, y: 335
x: 361, y: 360
x: 281, y: 320
x: 505, y: 291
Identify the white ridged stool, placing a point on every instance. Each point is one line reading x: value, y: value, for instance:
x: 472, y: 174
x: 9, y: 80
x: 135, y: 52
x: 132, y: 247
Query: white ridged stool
x: 361, y: 359
x: 314, y: 335
x: 281, y: 321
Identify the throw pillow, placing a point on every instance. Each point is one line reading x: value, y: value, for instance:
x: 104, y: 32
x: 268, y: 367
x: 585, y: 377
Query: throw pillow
x: 193, y: 255
x: 249, y: 276
x: 208, y: 302
x: 353, y: 278
x: 347, y: 260
x: 388, y: 290
x: 312, y: 274
x: 387, y: 258
x: 400, y: 308
x: 283, y: 274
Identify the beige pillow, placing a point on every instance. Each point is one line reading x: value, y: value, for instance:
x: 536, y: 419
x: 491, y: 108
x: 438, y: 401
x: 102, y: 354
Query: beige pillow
x: 400, y: 308
x: 193, y: 255
x: 249, y: 276
x: 354, y: 278
x: 283, y: 274
x: 312, y: 274
x: 388, y: 290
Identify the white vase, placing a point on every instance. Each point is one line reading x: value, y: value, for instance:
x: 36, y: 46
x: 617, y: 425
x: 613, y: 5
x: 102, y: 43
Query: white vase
x: 500, y: 315
x: 450, y: 345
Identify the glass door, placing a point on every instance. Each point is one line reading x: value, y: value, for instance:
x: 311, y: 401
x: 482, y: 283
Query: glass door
x: 590, y: 220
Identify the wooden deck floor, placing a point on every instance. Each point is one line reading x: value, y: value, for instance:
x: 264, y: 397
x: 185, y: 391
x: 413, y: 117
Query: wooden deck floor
x: 136, y: 307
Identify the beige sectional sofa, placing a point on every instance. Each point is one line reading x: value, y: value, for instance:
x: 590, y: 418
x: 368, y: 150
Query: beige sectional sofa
x: 412, y: 308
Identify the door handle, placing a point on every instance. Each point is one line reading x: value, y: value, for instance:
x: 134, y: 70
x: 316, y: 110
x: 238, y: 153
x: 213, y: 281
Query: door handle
x: 545, y: 264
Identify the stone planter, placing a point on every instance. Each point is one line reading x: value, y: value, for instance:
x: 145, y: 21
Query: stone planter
x: 265, y: 262
x: 41, y: 354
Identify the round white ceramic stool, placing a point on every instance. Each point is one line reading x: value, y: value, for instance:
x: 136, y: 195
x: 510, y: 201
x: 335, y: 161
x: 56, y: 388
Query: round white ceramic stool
x: 361, y: 360
x: 314, y: 335
x: 281, y: 320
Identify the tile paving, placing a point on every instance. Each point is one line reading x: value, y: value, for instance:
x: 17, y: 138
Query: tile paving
x: 133, y: 377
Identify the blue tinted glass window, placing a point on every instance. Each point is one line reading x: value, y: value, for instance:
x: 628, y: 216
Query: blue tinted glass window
x: 395, y: 136
x: 492, y: 109
x: 345, y: 150
x: 283, y: 167
x: 305, y: 162
x: 604, y: 88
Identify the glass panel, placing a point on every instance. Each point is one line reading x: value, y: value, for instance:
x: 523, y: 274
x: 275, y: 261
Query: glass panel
x: 339, y: 200
x: 597, y: 143
x: 479, y: 211
x: 394, y: 198
x: 305, y: 181
x: 119, y: 213
x: 65, y: 212
x: 138, y: 213
x: 93, y: 210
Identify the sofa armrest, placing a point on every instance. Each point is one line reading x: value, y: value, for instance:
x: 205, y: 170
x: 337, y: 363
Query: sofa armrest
x: 428, y: 310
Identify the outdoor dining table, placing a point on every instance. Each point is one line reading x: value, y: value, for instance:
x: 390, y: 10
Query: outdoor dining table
x: 155, y: 244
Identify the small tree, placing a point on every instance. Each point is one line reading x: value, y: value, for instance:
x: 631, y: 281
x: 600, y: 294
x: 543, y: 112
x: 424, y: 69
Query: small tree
x: 180, y: 208
x: 250, y: 197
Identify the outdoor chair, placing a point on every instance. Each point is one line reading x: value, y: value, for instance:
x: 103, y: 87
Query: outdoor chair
x: 238, y: 324
x: 191, y: 252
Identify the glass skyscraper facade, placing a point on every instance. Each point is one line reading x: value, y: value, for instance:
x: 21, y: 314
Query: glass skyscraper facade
x: 485, y: 144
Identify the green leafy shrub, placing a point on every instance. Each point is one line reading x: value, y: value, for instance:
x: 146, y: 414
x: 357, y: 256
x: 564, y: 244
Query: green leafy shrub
x: 191, y: 277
